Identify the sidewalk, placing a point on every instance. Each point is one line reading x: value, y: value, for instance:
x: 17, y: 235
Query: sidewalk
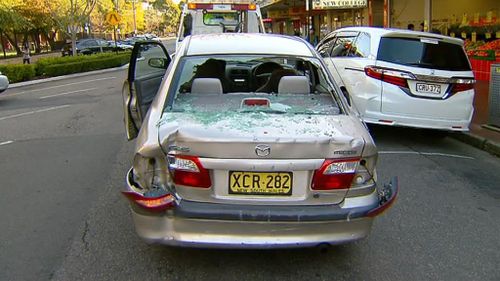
x: 482, y: 135
x: 34, y: 58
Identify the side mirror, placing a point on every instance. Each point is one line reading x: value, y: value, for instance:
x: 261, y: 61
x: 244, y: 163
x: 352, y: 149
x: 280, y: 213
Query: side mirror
x: 346, y: 95
x: 158, y: 63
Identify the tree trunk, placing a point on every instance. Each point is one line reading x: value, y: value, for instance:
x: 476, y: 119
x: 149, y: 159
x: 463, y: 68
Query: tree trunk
x: 13, y: 42
x: 73, y: 41
x: 3, y: 44
x: 51, y: 39
x: 36, y: 39
x: 18, y: 50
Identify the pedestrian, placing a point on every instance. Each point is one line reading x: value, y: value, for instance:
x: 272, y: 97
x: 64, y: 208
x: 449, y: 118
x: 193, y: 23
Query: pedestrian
x: 311, y: 37
x: 411, y: 26
x: 26, y: 55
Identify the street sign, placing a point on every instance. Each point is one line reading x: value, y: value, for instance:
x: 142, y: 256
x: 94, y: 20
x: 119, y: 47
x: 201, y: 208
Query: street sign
x: 113, y: 18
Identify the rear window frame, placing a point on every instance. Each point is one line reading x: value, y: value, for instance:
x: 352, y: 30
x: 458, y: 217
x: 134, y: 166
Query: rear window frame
x: 465, y: 61
x: 335, y: 89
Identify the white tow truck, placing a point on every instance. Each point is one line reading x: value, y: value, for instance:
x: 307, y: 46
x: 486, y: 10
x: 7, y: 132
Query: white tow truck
x: 219, y: 16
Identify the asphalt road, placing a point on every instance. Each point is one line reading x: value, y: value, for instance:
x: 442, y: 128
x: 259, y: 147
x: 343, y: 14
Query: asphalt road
x: 64, y: 157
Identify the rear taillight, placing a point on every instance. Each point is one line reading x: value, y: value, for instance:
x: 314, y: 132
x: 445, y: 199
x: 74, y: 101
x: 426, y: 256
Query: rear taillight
x: 156, y: 204
x: 395, y: 77
x: 188, y: 170
x: 335, y: 174
x: 460, y: 85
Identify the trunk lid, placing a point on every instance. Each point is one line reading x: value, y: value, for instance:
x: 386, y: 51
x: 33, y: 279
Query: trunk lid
x: 226, y: 141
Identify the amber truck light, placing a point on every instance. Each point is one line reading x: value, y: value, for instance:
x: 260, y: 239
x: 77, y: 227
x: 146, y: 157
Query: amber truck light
x: 335, y: 174
x: 187, y: 170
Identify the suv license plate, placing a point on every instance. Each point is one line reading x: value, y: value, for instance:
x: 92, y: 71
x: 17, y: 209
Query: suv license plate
x: 260, y: 183
x: 429, y: 88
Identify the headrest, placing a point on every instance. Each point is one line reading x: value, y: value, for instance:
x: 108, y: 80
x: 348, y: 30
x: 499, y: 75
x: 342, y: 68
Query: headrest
x: 206, y: 86
x: 293, y: 85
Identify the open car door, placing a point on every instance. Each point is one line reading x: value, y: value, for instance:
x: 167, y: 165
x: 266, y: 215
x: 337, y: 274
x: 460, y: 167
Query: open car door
x: 148, y: 64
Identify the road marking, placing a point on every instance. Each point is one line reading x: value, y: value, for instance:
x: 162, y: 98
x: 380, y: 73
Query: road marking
x: 427, y: 154
x: 60, y: 86
x: 67, y: 93
x: 33, y: 112
x: 6, y: 142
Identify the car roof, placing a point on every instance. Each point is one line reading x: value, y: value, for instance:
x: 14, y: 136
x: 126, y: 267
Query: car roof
x: 389, y: 32
x: 247, y: 43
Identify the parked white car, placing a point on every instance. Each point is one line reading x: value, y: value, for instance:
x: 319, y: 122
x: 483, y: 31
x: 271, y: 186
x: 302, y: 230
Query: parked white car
x: 401, y: 77
x: 4, y: 82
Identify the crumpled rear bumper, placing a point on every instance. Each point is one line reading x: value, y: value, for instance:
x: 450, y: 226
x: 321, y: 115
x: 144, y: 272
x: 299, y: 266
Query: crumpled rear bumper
x: 211, y: 225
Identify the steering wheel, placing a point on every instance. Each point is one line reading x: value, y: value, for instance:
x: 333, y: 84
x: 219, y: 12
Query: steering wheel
x: 262, y: 72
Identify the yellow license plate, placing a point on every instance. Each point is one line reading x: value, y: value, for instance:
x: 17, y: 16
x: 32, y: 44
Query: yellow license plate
x: 260, y: 183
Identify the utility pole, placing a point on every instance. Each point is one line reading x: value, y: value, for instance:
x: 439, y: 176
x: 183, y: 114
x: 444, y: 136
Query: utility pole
x: 428, y: 16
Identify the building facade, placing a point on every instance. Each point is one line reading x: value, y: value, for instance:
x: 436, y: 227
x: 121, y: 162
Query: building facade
x: 451, y: 17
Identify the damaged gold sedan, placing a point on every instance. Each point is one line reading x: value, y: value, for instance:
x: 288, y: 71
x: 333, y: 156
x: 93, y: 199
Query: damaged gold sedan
x: 245, y: 141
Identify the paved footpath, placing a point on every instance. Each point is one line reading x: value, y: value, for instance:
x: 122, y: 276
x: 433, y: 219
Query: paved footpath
x: 34, y: 58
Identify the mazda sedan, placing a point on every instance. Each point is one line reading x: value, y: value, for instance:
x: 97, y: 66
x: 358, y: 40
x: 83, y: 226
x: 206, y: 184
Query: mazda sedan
x: 245, y: 141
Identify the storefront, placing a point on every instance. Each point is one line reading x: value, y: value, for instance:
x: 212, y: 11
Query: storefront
x: 477, y: 22
x: 297, y: 17
x: 339, y: 13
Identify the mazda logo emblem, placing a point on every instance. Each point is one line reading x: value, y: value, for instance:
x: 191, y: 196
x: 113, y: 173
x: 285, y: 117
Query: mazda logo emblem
x: 262, y: 150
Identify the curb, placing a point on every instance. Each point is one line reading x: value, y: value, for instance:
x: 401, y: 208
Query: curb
x: 57, y: 78
x: 479, y: 142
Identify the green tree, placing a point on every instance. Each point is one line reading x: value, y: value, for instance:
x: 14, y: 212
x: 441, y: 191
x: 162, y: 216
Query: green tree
x: 98, y: 16
x: 153, y: 21
x: 36, y: 22
x: 171, y: 14
x: 10, y: 23
x: 71, y: 16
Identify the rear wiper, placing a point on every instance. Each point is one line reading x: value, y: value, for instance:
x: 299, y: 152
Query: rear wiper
x: 419, y: 64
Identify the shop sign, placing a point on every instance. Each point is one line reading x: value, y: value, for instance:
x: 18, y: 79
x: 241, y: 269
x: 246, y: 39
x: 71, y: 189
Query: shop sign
x: 277, y: 14
x: 339, y: 4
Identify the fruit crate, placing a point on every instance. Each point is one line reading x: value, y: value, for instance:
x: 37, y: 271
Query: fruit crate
x: 494, y: 97
x: 482, y: 68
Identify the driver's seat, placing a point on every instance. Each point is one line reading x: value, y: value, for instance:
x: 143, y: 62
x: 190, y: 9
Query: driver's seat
x: 271, y: 85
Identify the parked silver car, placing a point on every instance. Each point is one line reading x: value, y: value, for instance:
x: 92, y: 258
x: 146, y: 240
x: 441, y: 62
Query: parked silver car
x: 4, y: 82
x: 245, y: 141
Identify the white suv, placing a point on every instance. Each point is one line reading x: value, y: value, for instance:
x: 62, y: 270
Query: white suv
x: 401, y: 77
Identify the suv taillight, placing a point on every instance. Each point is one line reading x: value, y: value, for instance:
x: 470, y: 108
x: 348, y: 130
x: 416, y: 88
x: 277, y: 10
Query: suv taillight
x: 462, y: 84
x: 188, y: 170
x: 335, y: 174
x: 395, y: 77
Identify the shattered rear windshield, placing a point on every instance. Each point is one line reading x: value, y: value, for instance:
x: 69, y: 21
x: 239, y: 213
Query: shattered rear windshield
x: 252, y: 84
